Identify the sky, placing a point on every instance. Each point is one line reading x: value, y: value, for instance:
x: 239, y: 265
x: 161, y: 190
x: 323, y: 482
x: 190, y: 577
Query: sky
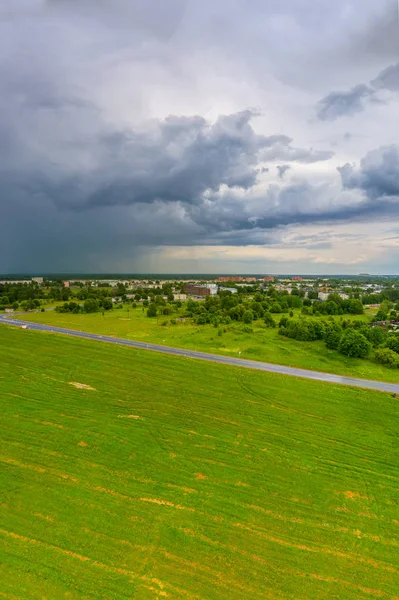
x: 237, y: 136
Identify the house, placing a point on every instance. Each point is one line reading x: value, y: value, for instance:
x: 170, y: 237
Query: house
x: 181, y: 297
x: 226, y: 289
x: 268, y: 279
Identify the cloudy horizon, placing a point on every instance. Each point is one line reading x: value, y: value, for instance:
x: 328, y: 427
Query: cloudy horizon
x: 231, y: 137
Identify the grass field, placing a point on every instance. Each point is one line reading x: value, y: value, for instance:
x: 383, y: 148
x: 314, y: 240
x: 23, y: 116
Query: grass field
x: 128, y: 474
x: 263, y: 344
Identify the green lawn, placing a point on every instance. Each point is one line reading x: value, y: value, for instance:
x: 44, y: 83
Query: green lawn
x: 171, y: 478
x: 263, y: 344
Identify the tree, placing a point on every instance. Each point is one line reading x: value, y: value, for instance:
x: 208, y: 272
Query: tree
x: 381, y: 315
x: 354, y: 344
x: 152, y: 310
x: 91, y: 306
x: 248, y: 317
x: 355, y: 307
x: 107, y: 304
x: 268, y: 319
x: 332, y: 336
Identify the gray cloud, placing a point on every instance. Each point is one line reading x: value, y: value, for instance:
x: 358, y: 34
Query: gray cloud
x: 347, y: 103
x: 388, y: 79
x: 378, y: 175
x: 339, y: 104
x: 282, y: 169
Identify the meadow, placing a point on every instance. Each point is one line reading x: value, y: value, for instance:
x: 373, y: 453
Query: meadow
x: 262, y: 344
x: 129, y: 474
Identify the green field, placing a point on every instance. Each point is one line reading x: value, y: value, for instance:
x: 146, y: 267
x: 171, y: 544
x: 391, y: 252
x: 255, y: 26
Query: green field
x: 128, y: 474
x: 263, y: 344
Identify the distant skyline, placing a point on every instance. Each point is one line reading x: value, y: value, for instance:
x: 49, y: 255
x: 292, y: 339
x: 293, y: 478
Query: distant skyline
x: 239, y: 136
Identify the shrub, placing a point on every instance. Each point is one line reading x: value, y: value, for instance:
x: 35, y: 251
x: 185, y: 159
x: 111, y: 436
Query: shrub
x: 248, y: 317
x: 201, y: 320
x: 387, y: 357
x: 284, y: 321
x: 268, y: 320
x: 393, y: 343
x: 354, y: 344
x: 276, y: 308
x: 247, y: 329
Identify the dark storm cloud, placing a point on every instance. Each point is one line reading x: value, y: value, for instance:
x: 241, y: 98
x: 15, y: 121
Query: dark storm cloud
x: 92, y: 169
x: 178, y: 159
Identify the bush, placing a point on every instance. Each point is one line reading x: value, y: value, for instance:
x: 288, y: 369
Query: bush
x: 268, y: 320
x: 247, y: 329
x: 393, y: 343
x: 387, y: 357
x: 201, y: 320
x: 248, y: 317
x: 304, y: 331
x: 276, y: 308
x: 284, y: 321
x: 354, y: 344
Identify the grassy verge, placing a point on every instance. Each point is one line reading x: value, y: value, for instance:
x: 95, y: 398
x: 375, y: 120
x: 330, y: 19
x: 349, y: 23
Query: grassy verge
x: 262, y: 344
x: 128, y: 474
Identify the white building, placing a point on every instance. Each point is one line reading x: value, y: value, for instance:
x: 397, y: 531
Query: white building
x: 213, y: 287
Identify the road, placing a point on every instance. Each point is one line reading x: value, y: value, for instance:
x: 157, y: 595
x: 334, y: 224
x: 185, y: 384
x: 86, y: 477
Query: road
x: 216, y: 358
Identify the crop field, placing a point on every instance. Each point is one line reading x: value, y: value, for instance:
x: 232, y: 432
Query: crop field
x: 128, y: 474
x: 262, y: 344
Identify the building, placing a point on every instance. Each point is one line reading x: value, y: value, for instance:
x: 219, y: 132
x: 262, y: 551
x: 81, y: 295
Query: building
x: 38, y: 280
x: 297, y: 278
x: 231, y: 278
x: 66, y: 284
x: 181, y: 297
x: 209, y: 289
x: 268, y: 279
x: 226, y: 289
x: 250, y: 279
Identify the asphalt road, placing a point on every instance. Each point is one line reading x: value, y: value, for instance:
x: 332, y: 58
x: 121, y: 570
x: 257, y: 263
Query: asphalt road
x: 226, y: 360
